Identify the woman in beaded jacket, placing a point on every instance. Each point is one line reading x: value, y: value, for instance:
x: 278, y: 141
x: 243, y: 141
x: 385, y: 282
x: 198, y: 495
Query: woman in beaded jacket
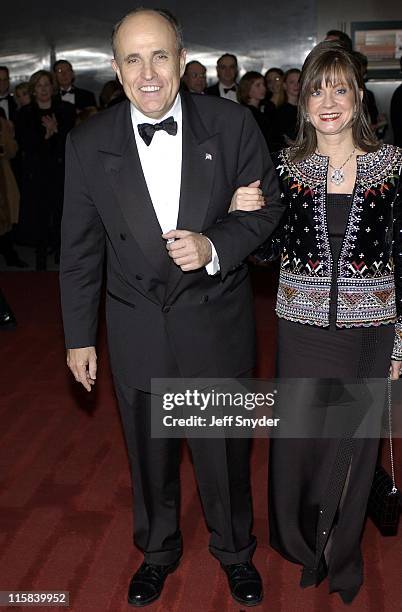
x: 340, y: 311
x: 369, y: 278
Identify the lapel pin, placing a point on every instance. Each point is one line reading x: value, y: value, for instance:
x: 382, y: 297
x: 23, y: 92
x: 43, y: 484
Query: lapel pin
x: 208, y: 156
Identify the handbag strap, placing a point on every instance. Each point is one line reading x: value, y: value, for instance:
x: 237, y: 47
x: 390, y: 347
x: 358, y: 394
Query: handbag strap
x: 391, y: 449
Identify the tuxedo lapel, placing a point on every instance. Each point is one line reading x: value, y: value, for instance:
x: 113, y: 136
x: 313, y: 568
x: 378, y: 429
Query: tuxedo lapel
x: 123, y: 167
x: 197, y: 175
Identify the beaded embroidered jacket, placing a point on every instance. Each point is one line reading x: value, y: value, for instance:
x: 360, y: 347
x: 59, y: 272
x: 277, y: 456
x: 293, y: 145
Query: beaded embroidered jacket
x: 369, y: 269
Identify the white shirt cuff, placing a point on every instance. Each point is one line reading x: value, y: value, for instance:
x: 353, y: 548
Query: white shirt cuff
x: 213, y: 266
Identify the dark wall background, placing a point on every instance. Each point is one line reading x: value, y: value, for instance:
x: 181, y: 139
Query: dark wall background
x: 262, y: 34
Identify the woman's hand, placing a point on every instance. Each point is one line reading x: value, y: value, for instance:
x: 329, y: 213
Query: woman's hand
x: 395, y: 369
x: 247, y: 198
x: 50, y: 123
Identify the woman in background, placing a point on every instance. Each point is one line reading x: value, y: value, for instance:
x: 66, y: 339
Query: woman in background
x: 340, y: 313
x: 286, y: 114
x: 274, y: 84
x: 22, y: 95
x: 41, y: 130
x: 251, y: 92
x: 9, y: 194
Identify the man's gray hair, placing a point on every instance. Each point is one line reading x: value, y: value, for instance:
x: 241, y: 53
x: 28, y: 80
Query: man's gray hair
x: 173, y: 22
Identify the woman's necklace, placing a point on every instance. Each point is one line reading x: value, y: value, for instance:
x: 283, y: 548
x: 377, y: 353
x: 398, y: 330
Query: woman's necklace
x: 337, y: 176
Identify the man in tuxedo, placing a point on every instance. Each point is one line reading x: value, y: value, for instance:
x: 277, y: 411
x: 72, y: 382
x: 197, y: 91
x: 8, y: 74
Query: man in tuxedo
x: 195, y: 77
x: 7, y: 102
x: 226, y: 87
x: 148, y: 186
x: 68, y: 92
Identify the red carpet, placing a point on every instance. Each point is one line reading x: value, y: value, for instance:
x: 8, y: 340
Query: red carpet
x: 64, y: 484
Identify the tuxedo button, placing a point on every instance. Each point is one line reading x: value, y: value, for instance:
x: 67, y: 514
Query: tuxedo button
x: 204, y: 299
x: 166, y: 309
x: 139, y: 277
x: 122, y: 236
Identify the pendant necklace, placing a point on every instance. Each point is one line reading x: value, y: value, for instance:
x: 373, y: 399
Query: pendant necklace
x: 337, y: 176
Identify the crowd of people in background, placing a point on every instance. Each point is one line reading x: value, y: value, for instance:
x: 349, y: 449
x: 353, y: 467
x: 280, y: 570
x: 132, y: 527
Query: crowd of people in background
x: 36, y: 118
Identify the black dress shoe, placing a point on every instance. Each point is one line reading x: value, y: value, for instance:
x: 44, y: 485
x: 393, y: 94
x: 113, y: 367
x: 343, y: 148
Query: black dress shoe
x: 147, y: 583
x: 7, y: 320
x: 244, y: 582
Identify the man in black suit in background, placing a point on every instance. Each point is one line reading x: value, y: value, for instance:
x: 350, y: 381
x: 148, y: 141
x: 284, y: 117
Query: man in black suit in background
x: 7, y: 102
x: 68, y: 92
x: 226, y: 87
x: 148, y: 186
x: 195, y: 77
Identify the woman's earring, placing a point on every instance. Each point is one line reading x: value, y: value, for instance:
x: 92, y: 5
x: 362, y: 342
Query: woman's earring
x: 307, y: 118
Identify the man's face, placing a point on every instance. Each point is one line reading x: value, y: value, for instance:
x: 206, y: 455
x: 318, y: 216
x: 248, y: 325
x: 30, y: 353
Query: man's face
x: 195, y: 77
x: 4, y: 82
x: 148, y: 63
x: 64, y: 75
x: 227, y: 71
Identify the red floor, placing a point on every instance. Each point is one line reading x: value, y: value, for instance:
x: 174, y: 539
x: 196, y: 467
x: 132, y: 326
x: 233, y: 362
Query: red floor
x: 64, y: 485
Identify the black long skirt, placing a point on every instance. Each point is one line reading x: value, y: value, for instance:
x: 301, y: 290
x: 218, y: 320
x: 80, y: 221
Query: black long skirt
x: 319, y: 488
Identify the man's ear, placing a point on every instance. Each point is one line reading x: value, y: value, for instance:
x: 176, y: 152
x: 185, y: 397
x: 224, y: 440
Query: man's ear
x: 183, y: 55
x: 116, y: 70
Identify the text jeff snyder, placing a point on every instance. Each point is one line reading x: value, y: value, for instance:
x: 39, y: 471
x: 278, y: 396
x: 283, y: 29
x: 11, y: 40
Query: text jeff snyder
x: 226, y: 421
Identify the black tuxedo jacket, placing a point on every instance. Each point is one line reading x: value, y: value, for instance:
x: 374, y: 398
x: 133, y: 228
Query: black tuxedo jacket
x: 12, y: 108
x: 161, y: 321
x: 213, y: 90
x: 83, y: 98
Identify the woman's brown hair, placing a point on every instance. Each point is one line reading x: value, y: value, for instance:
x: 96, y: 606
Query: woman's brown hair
x: 245, y: 83
x: 282, y: 94
x: 35, y: 77
x: 330, y: 63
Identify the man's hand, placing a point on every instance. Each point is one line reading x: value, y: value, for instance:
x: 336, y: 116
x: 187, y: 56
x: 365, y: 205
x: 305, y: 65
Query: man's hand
x: 248, y: 198
x: 82, y: 363
x: 395, y: 369
x: 189, y: 250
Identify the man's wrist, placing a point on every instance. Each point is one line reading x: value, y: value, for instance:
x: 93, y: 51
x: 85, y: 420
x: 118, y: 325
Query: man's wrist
x: 213, y: 266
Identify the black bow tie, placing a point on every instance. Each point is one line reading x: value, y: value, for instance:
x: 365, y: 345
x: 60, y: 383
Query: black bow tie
x: 63, y: 92
x: 226, y: 89
x: 147, y: 130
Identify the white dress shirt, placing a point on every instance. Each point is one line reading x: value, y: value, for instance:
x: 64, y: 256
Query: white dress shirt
x: 4, y: 106
x: 69, y: 96
x: 161, y: 164
x: 230, y: 95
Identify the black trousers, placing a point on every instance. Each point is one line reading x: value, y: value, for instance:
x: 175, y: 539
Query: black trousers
x: 307, y: 477
x: 223, y: 478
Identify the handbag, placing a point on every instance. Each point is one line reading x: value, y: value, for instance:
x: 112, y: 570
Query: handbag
x: 385, y: 498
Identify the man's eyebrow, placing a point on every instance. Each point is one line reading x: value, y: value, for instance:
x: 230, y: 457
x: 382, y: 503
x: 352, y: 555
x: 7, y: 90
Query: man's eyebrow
x: 138, y: 55
x: 131, y: 56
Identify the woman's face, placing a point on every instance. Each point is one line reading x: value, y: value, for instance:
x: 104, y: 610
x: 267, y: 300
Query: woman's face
x: 292, y: 84
x: 331, y: 108
x: 43, y: 90
x: 274, y: 81
x: 257, y: 90
x: 22, y: 97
